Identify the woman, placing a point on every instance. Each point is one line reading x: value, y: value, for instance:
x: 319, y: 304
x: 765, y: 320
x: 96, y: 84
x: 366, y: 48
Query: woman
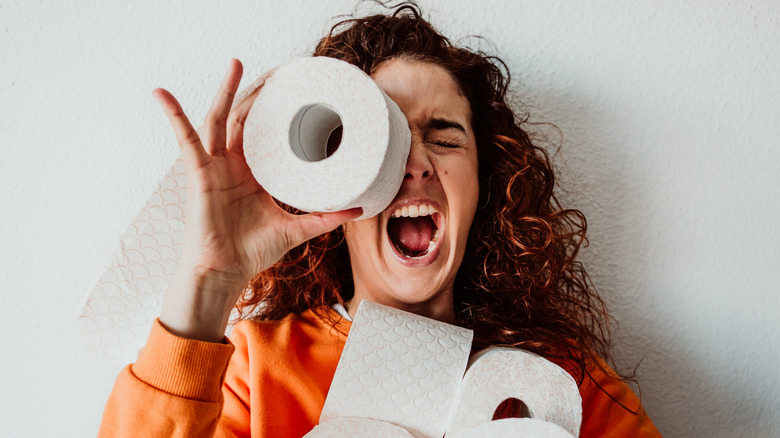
x: 474, y: 237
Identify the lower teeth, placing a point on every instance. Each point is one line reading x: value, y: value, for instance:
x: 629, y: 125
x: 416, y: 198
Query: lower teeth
x: 431, y: 245
x: 423, y: 253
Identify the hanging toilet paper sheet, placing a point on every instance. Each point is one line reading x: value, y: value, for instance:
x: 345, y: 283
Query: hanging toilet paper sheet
x: 286, y: 138
x: 118, y: 314
x: 408, y: 371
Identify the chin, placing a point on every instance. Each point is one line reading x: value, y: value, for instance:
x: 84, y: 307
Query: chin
x: 422, y: 278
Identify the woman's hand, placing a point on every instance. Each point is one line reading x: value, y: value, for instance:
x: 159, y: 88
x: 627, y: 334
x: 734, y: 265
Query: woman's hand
x: 233, y: 228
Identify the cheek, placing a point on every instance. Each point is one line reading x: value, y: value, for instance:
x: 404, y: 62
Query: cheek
x: 360, y: 235
x: 471, y: 183
x: 464, y: 191
x: 472, y: 198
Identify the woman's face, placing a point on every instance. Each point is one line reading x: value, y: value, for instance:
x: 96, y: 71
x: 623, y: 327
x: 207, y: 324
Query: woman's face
x: 407, y: 256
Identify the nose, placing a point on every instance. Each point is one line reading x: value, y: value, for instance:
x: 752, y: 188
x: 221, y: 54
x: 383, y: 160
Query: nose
x: 418, y: 165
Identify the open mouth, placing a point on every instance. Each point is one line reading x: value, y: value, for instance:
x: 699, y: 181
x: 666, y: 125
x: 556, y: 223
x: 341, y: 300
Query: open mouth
x: 414, y: 230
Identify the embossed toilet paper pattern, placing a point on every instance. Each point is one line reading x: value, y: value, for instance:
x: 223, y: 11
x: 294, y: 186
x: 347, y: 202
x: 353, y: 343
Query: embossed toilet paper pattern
x: 118, y: 314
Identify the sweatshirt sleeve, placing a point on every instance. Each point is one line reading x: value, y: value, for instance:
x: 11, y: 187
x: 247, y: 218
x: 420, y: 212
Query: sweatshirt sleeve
x: 173, y: 390
x: 610, y: 408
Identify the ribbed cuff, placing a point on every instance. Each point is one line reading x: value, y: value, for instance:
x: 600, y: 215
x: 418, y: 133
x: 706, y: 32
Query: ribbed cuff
x: 183, y: 367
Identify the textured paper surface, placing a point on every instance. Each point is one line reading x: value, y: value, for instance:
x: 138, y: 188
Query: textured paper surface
x: 368, y: 167
x: 400, y: 368
x: 118, y: 314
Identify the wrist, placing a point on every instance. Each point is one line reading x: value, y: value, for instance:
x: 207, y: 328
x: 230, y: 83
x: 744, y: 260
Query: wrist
x: 198, y: 303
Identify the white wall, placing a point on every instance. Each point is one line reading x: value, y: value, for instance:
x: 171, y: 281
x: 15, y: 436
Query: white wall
x: 671, y: 148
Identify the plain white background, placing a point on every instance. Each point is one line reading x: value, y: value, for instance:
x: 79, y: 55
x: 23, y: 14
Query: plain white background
x: 671, y: 148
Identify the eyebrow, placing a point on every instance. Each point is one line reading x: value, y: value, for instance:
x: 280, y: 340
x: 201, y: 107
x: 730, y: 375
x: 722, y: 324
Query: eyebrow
x: 441, y: 124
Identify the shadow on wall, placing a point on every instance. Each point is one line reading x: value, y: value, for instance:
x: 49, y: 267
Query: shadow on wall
x: 689, y: 385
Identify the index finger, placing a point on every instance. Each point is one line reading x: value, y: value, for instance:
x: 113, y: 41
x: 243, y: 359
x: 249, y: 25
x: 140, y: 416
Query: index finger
x: 192, y: 150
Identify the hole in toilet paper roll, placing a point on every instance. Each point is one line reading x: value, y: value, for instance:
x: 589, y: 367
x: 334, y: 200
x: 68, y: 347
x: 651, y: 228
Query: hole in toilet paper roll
x: 315, y: 132
x: 512, y: 408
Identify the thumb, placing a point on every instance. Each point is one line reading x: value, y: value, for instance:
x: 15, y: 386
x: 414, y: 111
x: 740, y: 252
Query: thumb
x: 311, y: 225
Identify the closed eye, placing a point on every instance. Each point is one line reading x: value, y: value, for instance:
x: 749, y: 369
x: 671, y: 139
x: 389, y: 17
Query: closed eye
x: 445, y: 144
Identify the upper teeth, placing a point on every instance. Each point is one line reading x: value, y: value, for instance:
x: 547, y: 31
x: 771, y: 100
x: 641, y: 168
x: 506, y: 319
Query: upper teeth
x: 414, y: 210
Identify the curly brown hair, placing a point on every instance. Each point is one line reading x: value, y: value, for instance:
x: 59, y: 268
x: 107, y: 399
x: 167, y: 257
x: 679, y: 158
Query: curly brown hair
x: 520, y: 283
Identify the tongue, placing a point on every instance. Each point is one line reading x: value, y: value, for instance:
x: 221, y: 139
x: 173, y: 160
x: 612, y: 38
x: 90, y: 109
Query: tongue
x: 411, y: 235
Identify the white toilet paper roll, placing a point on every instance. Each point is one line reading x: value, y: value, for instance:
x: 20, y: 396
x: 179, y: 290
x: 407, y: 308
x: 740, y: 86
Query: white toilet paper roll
x: 497, y: 374
x: 286, y: 138
x: 350, y: 427
x: 513, y: 427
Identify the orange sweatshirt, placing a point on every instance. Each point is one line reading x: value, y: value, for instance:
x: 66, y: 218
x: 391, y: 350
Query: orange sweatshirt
x: 272, y: 382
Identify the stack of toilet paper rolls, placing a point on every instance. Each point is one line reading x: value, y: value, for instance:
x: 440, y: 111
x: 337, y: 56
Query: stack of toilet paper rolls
x: 402, y: 375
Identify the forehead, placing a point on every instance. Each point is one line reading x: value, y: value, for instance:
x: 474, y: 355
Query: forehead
x: 423, y: 90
